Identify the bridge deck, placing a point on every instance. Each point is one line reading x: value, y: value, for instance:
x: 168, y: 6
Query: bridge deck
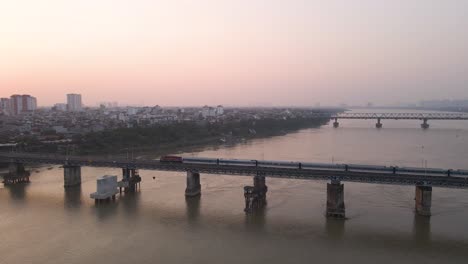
x: 407, y: 116
x: 278, y: 172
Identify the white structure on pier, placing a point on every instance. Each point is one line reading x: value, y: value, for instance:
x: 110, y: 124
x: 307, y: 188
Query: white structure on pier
x: 106, y: 188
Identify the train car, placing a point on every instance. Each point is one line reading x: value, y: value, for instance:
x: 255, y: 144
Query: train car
x: 196, y: 160
x: 429, y: 171
x: 460, y: 172
x: 279, y: 164
x: 171, y: 159
x: 236, y: 162
x: 370, y: 168
x: 323, y: 166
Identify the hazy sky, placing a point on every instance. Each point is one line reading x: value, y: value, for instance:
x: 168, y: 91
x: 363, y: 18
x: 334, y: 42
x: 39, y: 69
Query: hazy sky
x: 239, y: 52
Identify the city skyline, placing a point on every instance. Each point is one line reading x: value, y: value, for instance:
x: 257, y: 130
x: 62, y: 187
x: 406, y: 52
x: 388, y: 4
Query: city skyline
x: 73, y: 102
x: 242, y: 53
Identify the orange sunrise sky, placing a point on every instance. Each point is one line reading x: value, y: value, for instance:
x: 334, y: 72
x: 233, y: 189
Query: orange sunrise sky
x: 244, y: 53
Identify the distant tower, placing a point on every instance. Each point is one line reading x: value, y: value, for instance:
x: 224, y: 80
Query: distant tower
x: 74, y: 102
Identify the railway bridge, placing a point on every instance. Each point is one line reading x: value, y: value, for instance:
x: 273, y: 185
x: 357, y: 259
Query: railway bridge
x: 255, y: 196
x: 424, y: 117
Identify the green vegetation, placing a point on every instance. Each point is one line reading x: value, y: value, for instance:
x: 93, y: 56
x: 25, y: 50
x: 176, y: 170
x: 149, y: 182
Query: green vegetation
x: 170, y: 138
x: 180, y: 135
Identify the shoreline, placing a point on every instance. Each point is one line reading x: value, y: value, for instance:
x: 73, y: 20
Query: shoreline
x: 200, y: 144
x: 186, y: 142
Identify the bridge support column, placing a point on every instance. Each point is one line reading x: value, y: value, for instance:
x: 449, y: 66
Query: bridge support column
x: 130, y: 180
x: 261, y: 188
x: 255, y: 196
x: 336, y: 124
x: 193, y: 184
x: 378, y: 124
x: 425, y: 125
x: 71, y: 175
x: 423, y: 200
x: 335, y: 199
x: 16, y: 174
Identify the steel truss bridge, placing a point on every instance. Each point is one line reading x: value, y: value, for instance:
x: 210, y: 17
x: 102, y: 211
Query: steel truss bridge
x: 404, y: 116
x: 276, y: 172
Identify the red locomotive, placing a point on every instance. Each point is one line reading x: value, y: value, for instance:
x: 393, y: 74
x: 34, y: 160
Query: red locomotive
x: 173, y: 159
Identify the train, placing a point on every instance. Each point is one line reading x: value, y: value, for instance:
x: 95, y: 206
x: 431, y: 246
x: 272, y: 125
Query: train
x: 315, y: 166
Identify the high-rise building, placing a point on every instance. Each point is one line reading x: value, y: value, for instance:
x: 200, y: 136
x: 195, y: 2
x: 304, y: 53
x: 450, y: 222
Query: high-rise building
x: 16, y: 104
x: 5, y: 106
x: 29, y: 103
x: 74, y: 102
x: 22, y: 103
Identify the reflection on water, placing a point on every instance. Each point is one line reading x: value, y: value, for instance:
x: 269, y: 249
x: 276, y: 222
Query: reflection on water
x: 106, y: 210
x: 72, y: 197
x: 422, y: 229
x: 18, y: 191
x: 335, y: 228
x: 256, y: 221
x: 130, y: 203
x: 192, y: 208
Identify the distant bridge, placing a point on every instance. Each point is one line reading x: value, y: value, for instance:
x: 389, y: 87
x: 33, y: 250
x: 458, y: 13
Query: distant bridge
x: 408, y: 116
x: 397, y: 116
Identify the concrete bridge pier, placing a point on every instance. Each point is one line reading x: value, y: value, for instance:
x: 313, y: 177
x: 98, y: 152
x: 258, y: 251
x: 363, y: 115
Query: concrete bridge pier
x: 255, y: 196
x: 130, y: 180
x: 250, y: 199
x: 71, y: 175
x: 335, y: 199
x: 336, y: 124
x: 378, y: 124
x: 261, y: 188
x: 193, y: 184
x: 423, y: 200
x: 425, y: 125
x: 16, y: 174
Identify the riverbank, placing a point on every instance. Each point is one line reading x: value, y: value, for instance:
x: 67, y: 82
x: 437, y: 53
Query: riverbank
x: 178, y: 137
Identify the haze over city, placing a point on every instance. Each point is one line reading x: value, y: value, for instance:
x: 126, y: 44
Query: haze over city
x: 234, y: 52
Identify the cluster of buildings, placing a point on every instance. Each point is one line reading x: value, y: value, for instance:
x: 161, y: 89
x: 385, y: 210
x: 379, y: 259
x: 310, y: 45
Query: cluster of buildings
x: 18, y: 104
x: 208, y: 111
x: 27, y: 104
x: 20, y: 118
x: 64, y: 121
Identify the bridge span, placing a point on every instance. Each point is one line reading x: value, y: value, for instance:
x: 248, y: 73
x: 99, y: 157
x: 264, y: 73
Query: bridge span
x: 423, y: 178
x: 425, y: 117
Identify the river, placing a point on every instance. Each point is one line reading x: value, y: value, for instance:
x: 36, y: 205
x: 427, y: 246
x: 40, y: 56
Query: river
x: 41, y: 222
